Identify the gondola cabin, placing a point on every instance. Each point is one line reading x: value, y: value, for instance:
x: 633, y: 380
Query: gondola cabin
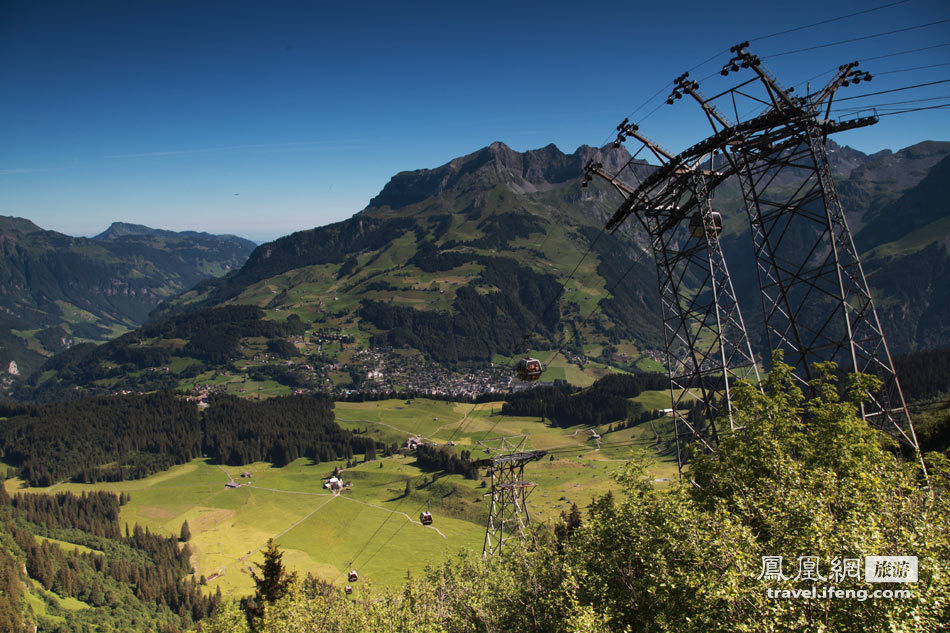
x: 353, y: 577
x: 426, y: 518
x: 529, y: 369
x: 696, y: 224
x: 348, y: 589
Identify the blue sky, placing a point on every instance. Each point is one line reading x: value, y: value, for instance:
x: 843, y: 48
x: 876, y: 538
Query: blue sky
x: 264, y: 118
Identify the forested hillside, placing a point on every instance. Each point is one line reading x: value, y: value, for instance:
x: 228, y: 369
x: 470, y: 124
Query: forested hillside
x: 116, y: 580
x: 60, y: 290
x: 492, y: 255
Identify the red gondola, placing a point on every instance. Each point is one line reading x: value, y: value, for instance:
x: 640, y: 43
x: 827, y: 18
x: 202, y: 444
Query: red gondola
x: 529, y: 369
x: 348, y: 589
x: 696, y: 224
x: 353, y: 577
x: 426, y: 518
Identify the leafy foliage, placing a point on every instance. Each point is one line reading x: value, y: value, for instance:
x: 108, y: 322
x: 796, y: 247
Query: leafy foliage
x: 272, y: 585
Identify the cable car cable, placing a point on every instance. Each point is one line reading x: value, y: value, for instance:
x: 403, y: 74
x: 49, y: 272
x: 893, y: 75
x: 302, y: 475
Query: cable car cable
x: 884, y: 92
x: 855, y: 39
x: 814, y: 24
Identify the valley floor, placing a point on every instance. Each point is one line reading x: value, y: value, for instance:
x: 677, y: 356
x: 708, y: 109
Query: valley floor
x: 371, y: 526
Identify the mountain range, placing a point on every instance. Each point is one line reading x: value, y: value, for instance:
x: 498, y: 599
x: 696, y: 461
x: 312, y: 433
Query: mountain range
x: 454, y: 265
x: 57, y: 290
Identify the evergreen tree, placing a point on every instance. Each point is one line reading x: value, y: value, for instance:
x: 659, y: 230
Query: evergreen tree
x: 272, y: 584
x: 185, y: 533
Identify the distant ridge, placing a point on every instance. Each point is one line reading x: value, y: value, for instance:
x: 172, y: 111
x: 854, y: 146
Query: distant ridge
x: 57, y: 291
x: 118, y: 230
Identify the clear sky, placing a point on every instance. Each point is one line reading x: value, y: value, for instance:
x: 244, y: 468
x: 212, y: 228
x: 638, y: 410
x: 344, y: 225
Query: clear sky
x: 262, y: 118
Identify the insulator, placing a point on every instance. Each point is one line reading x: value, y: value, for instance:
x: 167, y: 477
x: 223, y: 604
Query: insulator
x: 867, y: 77
x: 745, y: 63
x: 735, y: 68
x: 845, y: 83
x: 669, y: 101
x: 857, y: 80
x: 724, y: 72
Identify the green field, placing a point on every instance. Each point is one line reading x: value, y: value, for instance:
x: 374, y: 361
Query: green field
x: 371, y: 526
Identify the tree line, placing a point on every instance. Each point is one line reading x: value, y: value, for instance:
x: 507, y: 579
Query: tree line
x: 212, y: 335
x: 104, y: 438
x: 439, y: 458
x: 278, y: 430
x: 114, y: 438
x: 604, y: 401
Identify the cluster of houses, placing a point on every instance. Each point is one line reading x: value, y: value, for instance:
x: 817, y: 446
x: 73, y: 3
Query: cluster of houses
x: 385, y: 370
x: 201, y: 393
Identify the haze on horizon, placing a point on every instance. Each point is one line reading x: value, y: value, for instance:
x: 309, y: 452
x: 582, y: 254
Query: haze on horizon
x: 262, y: 121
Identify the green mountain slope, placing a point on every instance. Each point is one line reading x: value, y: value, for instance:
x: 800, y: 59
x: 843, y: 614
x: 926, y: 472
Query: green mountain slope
x: 448, y: 269
x: 451, y: 266
x: 57, y: 290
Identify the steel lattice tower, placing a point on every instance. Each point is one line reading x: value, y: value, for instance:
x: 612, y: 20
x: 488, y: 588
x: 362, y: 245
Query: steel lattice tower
x: 509, y: 515
x: 816, y: 301
x: 707, y: 346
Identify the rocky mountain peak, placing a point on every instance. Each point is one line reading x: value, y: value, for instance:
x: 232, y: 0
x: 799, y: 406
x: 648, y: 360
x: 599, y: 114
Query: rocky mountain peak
x: 497, y: 164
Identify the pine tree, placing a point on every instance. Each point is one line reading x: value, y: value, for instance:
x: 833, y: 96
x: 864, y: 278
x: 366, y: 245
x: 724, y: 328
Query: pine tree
x: 272, y: 584
x: 185, y: 533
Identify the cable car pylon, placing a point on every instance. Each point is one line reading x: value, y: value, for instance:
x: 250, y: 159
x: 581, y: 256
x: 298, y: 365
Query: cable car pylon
x: 706, y: 343
x: 508, y: 516
x: 816, y: 301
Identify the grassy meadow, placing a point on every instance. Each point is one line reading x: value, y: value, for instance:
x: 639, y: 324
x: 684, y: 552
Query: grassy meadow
x: 372, y: 525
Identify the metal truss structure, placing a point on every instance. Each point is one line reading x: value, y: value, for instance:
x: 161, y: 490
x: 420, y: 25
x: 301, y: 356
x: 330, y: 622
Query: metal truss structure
x: 509, y: 515
x: 816, y: 301
x: 707, y: 346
